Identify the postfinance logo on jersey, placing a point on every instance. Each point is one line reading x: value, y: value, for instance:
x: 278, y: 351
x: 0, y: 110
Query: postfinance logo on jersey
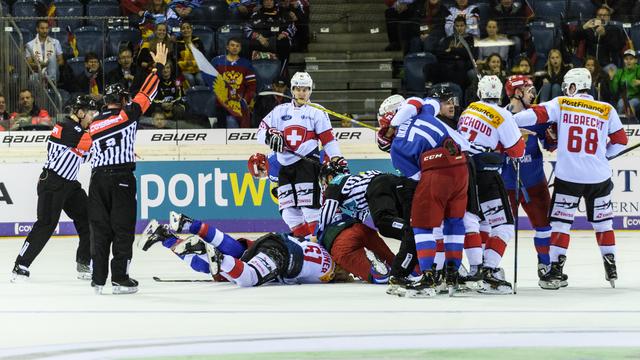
x: 589, y: 107
x: 486, y: 113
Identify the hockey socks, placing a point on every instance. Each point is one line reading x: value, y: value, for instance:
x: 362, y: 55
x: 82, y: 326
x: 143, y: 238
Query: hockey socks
x: 473, y: 248
x: 542, y: 241
x: 453, y: 240
x: 559, y: 245
x: 223, y: 242
x: 606, y: 242
x: 493, y: 251
x: 439, y: 259
x: 425, y: 247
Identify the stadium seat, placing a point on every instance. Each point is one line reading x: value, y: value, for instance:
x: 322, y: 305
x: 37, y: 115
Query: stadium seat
x: 25, y: 8
x: 109, y: 64
x: 76, y: 65
x: 69, y: 8
x: 414, y: 72
x: 208, y: 38
x: 65, y: 97
x: 267, y: 70
x: 224, y: 33
x: 485, y: 10
x: 550, y: 10
x: 90, y: 39
x: 213, y: 13
x: 635, y: 35
x: 102, y: 8
x: 5, y: 8
x: 544, y: 35
x: 581, y: 10
x: 121, y: 35
x: 200, y: 99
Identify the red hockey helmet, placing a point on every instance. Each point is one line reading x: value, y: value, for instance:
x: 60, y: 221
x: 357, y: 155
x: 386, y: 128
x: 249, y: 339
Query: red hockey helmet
x: 516, y: 82
x: 258, y: 166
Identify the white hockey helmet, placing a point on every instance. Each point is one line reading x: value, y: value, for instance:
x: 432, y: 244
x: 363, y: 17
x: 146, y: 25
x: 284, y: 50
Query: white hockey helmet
x: 580, y: 77
x: 302, y: 79
x: 390, y: 104
x: 490, y: 87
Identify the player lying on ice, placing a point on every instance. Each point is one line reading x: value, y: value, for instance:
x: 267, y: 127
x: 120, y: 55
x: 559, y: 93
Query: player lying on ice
x: 274, y: 256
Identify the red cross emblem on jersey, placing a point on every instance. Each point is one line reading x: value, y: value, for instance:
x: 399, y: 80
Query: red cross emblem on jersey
x: 294, y: 135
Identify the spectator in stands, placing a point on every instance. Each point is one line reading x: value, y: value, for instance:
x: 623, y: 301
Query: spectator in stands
x: 186, y: 61
x: 470, y: 13
x: 552, y: 79
x: 155, y: 13
x: 44, y: 53
x: 169, y: 99
x: 628, y: 78
x: 28, y: 113
x: 432, y: 18
x: 235, y: 86
x: 269, y: 31
x: 493, y: 43
x: 241, y: 10
x: 90, y: 81
x: 266, y: 103
x: 133, y: 7
x: 524, y: 66
x: 620, y: 10
x: 179, y: 12
x: 159, y: 121
x: 160, y: 35
x: 125, y: 72
x: 454, y: 63
x: 511, y: 17
x: 603, y: 40
x: 4, y: 115
x: 397, y: 17
x: 493, y: 65
x: 600, y: 89
x: 299, y: 16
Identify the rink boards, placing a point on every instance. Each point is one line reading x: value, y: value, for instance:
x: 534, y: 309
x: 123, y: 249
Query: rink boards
x: 203, y: 173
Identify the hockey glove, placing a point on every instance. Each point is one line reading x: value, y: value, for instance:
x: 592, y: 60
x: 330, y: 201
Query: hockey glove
x: 384, y: 143
x: 551, y: 137
x: 275, y: 140
x: 340, y: 161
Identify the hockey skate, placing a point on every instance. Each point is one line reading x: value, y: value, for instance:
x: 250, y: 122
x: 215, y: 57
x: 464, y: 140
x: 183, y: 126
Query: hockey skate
x: 193, y: 244
x: 19, y: 273
x: 97, y: 288
x: 493, y: 284
x: 610, y: 270
x: 129, y: 286
x: 179, y: 222
x: 215, y: 258
x: 424, y: 287
x: 441, y: 285
x: 397, y: 285
x: 451, y: 277
x: 378, y: 265
x: 84, y: 271
x: 152, y: 234
x: 473, y: 278
x: 552, y: 279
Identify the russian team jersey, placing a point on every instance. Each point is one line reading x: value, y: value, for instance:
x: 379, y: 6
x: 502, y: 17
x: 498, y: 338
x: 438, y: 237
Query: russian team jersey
x: 488, y: 125
x: 583, y: 127
x: 67, y: 148
x: 302, y: 127
x: 317, y: 264
x: 531, y: 165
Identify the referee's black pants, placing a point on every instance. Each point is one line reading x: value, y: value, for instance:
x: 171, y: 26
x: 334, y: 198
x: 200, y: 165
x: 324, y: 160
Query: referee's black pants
x: 56, y: 194
x: 112, y: 216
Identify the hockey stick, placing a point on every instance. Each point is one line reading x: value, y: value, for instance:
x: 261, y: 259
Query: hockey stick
x: 321, y: 108
x: 465, y: 45
x: 516, y: 164
x: 631, y: 148
x: 297, y: 154
x: 158, y: 279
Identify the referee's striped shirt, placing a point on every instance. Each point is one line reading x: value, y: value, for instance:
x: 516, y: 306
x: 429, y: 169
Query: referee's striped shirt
x: 114, y: 130
x: 347, y: 193
x: 67, y: 148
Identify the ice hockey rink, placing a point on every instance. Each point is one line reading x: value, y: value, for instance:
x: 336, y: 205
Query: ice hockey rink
x: 55, y: 316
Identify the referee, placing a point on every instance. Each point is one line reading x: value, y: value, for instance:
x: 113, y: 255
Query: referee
x: 59, y: 190
x: 112, y: 192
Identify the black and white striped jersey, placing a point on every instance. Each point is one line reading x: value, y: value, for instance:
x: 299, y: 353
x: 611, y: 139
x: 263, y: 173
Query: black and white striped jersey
x: 347, y: 193
x: 67, y: 148
x: 114, y: 130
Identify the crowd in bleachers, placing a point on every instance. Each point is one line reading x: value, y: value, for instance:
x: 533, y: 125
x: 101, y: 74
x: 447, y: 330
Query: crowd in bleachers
x: 539, y: 38
x: 96, y: 43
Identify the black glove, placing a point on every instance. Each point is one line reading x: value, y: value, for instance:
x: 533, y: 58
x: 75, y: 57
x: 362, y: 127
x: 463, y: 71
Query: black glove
x: 340, y: 161
x: 275, y: 140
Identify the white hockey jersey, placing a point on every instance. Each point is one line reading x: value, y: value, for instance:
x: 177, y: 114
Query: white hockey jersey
x: 490, y: 126
x: 302, y: 127
x: 317, y: 266
x: 583, y: 127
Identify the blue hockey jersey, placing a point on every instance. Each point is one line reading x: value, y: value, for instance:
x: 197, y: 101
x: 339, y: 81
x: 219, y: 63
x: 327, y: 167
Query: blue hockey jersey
x: 531, y: 166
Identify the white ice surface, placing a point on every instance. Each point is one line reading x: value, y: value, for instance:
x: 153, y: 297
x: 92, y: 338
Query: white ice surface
x: 55, y: 316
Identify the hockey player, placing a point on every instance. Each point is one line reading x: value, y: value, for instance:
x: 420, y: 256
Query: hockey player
x: 293, y: 131
x: 272, y: 257
x: 521, y: 93
x: 582, y: 168
x: 427, y: 150
x: 491, y: 127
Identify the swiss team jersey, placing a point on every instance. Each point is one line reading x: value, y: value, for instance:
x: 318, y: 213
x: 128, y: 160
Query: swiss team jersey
x: 532, y: 164
x: 114, y: 130
x: 346, y: 193
x: 422, y: 133
x: 317, y: 264
x: 302, y: 128
x: 488, y: 125
x: 583, y: 127
x: 67, y: 148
